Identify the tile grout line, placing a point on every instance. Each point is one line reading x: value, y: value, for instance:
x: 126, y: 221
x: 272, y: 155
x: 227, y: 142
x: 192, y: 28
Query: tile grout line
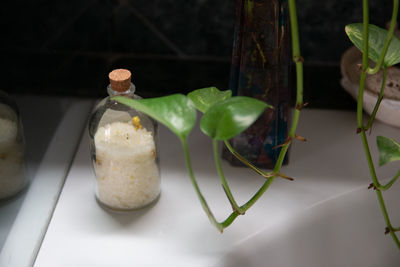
x: 67, y: 25
x: 153, y: 29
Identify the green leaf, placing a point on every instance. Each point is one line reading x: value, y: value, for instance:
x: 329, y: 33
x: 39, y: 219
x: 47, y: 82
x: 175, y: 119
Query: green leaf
x: 176, y: 111
x: 389, y: 150
x: 376, y: 42
x: 231, y: 117
x: 205, y: 98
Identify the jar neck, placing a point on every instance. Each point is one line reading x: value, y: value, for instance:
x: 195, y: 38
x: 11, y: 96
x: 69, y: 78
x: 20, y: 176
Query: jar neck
x: 129, y: 92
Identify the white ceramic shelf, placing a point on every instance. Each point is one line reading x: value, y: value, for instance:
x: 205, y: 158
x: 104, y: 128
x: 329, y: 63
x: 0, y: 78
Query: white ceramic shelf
x: 53, y: 128
x: 289, y: 226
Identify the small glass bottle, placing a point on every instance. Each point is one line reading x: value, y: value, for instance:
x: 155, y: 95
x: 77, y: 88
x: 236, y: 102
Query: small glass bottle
x: 13, y: 177
x: 123, y: 146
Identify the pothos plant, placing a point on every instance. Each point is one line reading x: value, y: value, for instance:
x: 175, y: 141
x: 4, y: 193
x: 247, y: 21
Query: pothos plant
x: 223, y: 117
x: 383, y: 48
x: 226, y: 116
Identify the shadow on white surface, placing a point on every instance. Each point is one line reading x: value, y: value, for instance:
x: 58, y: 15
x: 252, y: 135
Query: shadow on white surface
x: 127, y: 218
x: 346, y: 231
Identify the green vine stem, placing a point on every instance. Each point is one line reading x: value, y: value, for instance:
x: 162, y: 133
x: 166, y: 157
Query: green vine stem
x: 390, y: 183
x: 360, y: 108
x: 203, y: 202
x: 254, y: 168
x: 249, y: 203
x: 221, y: 175
x: 378, y: 102
x: 245, y: 161
x: 206, y: 208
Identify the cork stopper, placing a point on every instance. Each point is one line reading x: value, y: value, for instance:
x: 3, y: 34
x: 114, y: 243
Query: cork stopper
x: 120, y: 80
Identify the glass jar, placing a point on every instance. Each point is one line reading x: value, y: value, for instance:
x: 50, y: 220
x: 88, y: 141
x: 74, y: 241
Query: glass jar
x: 13, y: 177
x: 123, y: 147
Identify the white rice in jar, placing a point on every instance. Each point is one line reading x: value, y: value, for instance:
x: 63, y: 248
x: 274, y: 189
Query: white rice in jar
x: 12, y: 169
x: 126, y: 170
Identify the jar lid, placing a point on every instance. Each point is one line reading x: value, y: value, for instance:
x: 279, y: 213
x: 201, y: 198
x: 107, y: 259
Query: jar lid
x: 120, y: 80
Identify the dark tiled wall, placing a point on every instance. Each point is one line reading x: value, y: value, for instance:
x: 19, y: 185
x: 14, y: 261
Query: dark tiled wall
x: 68, y: 47
x: 322, y: 25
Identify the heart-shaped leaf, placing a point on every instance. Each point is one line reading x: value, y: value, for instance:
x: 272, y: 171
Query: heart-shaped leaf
x: 176, y: 112
x: 205, y: 98
x: 231, y: 117
x: 376, y: 42
x: 389, y: 150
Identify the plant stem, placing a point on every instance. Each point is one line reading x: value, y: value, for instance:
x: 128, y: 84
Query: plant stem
x: 378, y: 102
x: 225, y: 185
x: 196, y: 187
x: 245, y: 161
x: 364, y: 67
x: 254, y: 168
x: 249, y: 203
x: 299, y: 81
x: 299, y: 70
x: 390, y: 183
x: 386, y: 218
x: 360, y: 115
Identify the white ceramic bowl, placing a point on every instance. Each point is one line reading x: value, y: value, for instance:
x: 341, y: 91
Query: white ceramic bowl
x: 389, y: 109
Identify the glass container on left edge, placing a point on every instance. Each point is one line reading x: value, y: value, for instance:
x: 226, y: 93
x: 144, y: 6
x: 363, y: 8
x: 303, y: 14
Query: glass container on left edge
x: 123, y: 145
x: 13, y: 177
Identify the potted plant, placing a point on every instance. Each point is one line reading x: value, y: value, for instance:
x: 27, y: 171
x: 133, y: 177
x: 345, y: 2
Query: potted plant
x: 383, y: 48
x: 223, y: 115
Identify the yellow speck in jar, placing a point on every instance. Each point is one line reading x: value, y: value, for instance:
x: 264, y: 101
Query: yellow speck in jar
x: 136, y: 123
x: 132, y: 177
x: 102, y: 178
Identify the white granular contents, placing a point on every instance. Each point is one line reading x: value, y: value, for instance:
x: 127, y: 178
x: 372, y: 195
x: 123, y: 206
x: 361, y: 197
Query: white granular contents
x: 126, y: 171
x: 12, y: 172
x: 8, y: 133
